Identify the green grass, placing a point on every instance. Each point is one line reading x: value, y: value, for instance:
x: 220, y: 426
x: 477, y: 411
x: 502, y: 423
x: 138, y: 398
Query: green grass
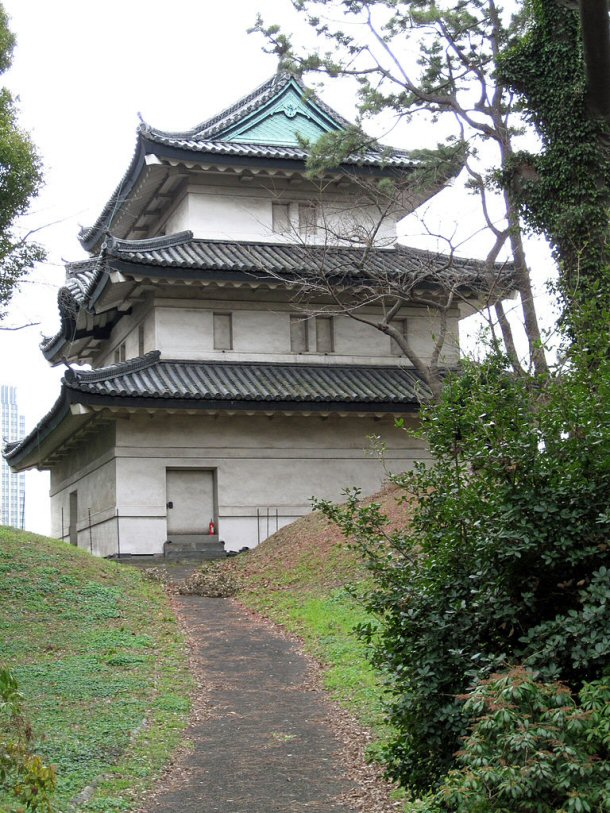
x: 101, y: 662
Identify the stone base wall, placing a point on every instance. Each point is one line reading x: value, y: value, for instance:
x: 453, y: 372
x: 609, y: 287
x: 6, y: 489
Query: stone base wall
x: 266, y: 469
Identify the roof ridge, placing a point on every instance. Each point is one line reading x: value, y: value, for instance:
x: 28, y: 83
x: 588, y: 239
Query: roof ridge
x: 274, y: 83
x: 208, y: 128
x: 112, y: 243
x: 103, y: 373
x: 305, y: 246
x: 322, y: 365
x: 397, y: 248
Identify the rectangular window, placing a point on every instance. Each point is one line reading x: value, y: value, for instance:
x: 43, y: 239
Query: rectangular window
x: 401, y: 327
x: 324, y: 334
x: 280, y: 216
x: 308, y: 219
x: 119, y: 353
x: 223, y: 331
x: 299, y: 339
x: 141, y: 340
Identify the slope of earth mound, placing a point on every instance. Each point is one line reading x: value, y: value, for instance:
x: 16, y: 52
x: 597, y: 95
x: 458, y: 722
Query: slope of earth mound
x: 101, y: 663
x: 310, y: 554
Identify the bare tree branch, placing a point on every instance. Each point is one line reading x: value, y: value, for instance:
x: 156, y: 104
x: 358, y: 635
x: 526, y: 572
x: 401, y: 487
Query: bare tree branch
x: 18, y: 327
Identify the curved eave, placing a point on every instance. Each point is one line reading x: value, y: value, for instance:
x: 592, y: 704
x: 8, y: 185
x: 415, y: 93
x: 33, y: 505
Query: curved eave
x: 138, y: 271
x: 184, y: 154
x: 91, y: 238
x: 130, y: 402
x: 62, y: 349
x: 53, y: 350
x: 51, y: 432
x: 70, y: 342
x: 65, y: 419
x: 143, y: 272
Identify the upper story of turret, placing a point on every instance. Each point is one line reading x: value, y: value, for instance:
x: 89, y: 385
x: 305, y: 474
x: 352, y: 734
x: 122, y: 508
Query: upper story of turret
x: 241, y: 176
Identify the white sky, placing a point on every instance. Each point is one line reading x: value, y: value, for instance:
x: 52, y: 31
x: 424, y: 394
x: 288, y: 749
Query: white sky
x: 82, y: 72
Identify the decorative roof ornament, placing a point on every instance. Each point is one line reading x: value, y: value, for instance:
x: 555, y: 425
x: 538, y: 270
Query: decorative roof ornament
x: 143, y: 127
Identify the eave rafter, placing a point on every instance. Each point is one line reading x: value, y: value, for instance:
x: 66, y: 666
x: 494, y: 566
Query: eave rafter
x: 81, y: 435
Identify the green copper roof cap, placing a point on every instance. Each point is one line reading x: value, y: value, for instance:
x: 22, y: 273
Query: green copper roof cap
x: 287, y: 119
x: 276, y: 112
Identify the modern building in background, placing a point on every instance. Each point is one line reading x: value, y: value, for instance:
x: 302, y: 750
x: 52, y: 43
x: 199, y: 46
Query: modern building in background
x: 12, y: 488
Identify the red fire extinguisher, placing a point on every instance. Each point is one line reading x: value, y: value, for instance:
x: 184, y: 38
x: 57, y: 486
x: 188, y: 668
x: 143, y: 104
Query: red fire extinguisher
x: 212, y: 528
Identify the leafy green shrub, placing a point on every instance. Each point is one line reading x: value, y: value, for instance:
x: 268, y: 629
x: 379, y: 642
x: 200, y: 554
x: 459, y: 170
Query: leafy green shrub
x: 505, y: 559
x: 23, y: 774
x: 532, y: 748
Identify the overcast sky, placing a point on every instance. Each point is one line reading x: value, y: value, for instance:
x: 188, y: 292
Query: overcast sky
x: 83, y: 71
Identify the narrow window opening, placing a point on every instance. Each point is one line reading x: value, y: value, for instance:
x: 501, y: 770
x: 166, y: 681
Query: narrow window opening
x: 299, y: 339
x: 141, y: 340
x: 401, y: 327
x: 223, y: 331
x: 324, y: 334
x: 280, y: 215
x: 120, y: 353
x: 308, y: 219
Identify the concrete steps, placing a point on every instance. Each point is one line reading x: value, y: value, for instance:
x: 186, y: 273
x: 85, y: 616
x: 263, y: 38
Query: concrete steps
x: 182, y: 547
x: 194, y: 546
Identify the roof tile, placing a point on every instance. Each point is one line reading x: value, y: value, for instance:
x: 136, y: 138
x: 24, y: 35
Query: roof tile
x: 153, y: 378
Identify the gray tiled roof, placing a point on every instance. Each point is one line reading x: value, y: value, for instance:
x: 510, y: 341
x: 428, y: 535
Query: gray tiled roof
x: 152, y: 382
x: 183, y: 251
x: 207, y: 137
x: 399, y: 159
x: 151, y: 377
x: 79, y: 283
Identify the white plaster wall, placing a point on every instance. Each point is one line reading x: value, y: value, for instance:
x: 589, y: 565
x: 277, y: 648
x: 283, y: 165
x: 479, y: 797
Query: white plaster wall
x: 254, y: 529
x: 88, y: 469
x: 96, y: 522
x: 179, y: 217
x: 241, y: 212
x: 223, y: 215
x: 261, y: 332
x: 185, y: 333
x: 142, y: 534
x: 262, y: 465
x: 126, y: 331
x: 345, y: 223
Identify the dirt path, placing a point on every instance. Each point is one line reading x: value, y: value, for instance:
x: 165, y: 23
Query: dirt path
x: 260, y: 738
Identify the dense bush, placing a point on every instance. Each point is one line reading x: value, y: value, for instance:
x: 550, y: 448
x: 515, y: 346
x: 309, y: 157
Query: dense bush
x: 505, y: 560
x: 533, y: 747
x: 22, y: 773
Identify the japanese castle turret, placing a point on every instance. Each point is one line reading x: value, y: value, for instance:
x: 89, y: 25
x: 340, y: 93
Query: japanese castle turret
x: 216, y: 404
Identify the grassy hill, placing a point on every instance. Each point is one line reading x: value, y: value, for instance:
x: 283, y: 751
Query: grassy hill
x: 97, y: 654
x: 300, y: 577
